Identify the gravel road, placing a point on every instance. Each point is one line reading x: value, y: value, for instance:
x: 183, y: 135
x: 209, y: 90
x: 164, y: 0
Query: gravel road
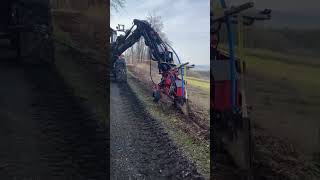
x: 140, y: 148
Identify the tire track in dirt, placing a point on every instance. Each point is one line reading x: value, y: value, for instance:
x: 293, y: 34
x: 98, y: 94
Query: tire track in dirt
x: 53, y: 136
x: 78, y: 138
x: 140, y: 148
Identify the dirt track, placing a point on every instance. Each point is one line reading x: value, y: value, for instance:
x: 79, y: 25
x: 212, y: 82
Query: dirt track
x: 46, y: 133
x: 140, y: 148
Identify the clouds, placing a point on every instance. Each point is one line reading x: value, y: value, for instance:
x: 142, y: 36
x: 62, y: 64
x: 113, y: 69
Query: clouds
x: 298, y: 6
x: 186, y: 24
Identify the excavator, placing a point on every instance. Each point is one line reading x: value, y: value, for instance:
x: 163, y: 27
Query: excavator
x: 232, y: 132
x: 172, y: 81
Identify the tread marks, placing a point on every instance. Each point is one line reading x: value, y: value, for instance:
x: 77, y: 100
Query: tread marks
x: 158, y: 156
x: 75, y: 142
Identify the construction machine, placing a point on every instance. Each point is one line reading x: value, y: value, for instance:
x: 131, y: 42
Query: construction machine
x: 26, y: 31
x: 231, y: 124
x: 172, y: 81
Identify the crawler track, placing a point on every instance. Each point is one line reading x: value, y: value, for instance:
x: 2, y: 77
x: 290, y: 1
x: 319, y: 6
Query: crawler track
x: 140, y: 148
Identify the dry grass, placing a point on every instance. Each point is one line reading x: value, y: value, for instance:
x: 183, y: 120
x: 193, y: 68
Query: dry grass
x: 285, y: 97
x: 199, y: 83
x: 84, y: 74
x: 276, y: 157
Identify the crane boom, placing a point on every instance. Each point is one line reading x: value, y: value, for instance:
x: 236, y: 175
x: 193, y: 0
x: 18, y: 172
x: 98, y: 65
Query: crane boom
x: 141, y: 28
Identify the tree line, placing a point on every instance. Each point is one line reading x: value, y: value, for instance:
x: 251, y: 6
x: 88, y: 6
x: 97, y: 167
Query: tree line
x: 139, y: 52
x: 283, y: 40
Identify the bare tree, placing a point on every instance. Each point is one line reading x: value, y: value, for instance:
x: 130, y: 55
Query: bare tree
x: 117, y: 4
x: 139, y: 47
x: 156, y: 23
x: 139, y: 51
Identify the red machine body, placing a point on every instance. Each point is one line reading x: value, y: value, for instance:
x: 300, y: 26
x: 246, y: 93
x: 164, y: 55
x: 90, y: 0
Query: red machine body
x: 171, y: 84
x: 222, y: 95
x: 222, y: 84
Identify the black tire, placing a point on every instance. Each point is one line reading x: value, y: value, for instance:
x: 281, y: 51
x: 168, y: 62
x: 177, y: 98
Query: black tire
x: 120, y: 72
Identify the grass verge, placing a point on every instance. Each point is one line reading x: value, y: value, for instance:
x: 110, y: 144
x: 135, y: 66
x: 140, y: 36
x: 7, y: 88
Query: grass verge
x: 199, y: 83
x: 302, y: 78
x: 78, y: 77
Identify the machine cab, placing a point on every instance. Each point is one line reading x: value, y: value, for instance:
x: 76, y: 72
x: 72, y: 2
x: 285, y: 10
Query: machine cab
x: 113, y: 35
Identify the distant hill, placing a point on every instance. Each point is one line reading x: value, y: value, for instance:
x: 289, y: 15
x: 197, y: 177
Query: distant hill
x: 296, y: 20
x: 201, y: 68
x: 294, y: 33
x: 289, y: 40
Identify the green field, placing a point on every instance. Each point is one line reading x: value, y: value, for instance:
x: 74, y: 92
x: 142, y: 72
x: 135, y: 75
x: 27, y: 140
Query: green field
x: 198, y: 83
x: 301, y: 73
x: 284, y: 91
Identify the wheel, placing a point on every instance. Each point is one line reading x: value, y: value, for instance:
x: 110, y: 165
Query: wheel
x: 120, y: 72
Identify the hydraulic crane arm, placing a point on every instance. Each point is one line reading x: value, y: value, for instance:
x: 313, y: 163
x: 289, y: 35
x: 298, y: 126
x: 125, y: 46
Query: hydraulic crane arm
x: 248, y: 15
x: 158, y: 48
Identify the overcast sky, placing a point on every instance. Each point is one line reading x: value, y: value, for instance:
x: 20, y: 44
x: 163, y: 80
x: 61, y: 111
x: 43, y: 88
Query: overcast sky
x: 186, y: 24
x: 297, y: 6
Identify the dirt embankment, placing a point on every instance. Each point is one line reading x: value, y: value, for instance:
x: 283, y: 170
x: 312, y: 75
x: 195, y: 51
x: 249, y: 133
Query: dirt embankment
x: 84, y: 67
x: 81, y: 60
x: 86, y: 31
x: 276, y: 154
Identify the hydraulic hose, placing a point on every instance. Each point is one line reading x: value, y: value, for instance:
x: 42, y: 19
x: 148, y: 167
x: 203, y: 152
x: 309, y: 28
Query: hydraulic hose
x: 151, y: 73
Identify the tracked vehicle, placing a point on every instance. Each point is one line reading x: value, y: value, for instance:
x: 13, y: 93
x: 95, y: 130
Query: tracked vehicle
x: 172, y: 82
x: 26, y: 31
